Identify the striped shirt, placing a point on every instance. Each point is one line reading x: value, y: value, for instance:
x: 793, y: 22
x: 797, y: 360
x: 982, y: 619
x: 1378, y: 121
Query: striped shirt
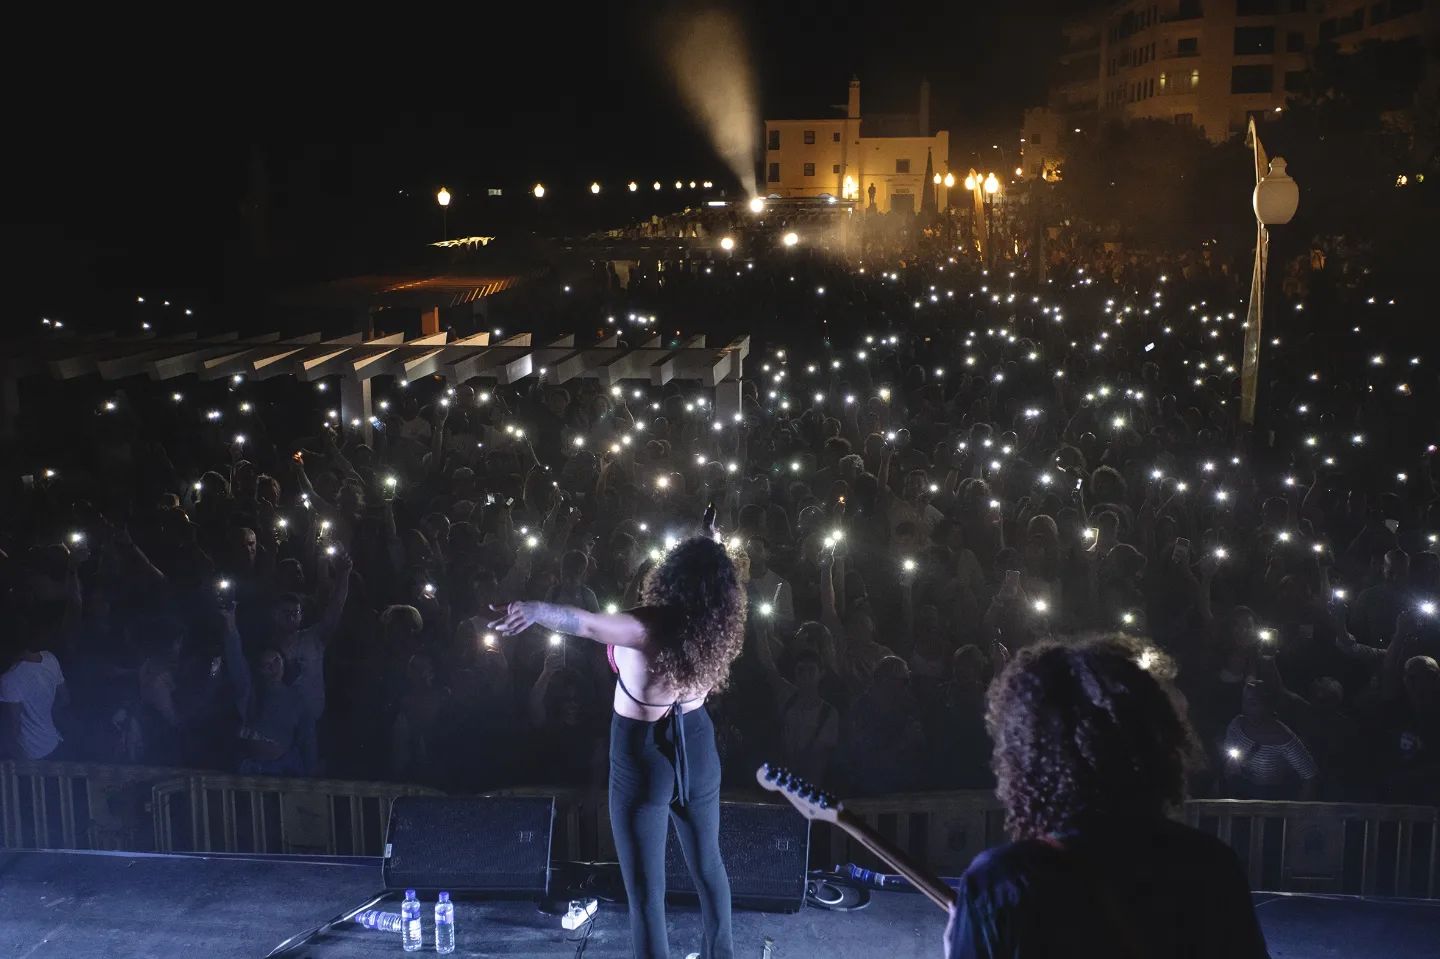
x: 1266, y: 765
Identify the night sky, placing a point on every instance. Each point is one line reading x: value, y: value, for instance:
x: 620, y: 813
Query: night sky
x: 134, y: 149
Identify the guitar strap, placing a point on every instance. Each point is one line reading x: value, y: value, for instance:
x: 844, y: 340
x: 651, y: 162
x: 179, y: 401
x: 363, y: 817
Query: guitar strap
x: 1129, y: 946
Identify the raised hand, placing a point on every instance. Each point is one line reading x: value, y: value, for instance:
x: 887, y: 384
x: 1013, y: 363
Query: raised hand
x: 517, y: 618
x: 343, y: 563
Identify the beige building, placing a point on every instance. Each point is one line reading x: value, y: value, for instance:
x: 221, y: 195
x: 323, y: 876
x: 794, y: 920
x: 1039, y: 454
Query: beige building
x: 1208, y: 63
x: 849, y: 156
x: 1349, y: 23
x: 1212, y: 64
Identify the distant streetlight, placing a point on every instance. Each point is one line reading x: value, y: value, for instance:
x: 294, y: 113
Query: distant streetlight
x: 633, y: 186
x: 970, y: 183
x: 656, y: 184
x: 757, y: 205
x: 938, y: 179
x: 949, y: 180
x: 727, y: 243
x: 595, y: 188
x: 539, y: 191
x: 792, y: 238
x: 992, y: 185
x: 443, y: 198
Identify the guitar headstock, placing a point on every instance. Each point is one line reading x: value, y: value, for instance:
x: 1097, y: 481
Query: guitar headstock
x: 810, y: 801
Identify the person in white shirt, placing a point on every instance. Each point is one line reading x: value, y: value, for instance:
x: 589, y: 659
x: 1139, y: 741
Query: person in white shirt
x: 29, y: 692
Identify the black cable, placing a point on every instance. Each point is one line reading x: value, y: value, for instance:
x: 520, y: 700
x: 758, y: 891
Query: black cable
x: 851, y: 895
x: 301, y: 938
x: 589, y: 928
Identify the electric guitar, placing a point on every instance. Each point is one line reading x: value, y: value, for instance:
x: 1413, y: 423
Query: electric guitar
x: 819, y: 806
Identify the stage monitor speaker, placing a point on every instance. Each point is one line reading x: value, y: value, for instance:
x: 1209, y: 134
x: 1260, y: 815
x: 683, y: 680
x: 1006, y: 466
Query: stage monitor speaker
x: 494, y: 846
x: 766, y: 850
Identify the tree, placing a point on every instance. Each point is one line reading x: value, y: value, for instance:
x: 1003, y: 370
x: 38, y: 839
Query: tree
x: 1158, y: 184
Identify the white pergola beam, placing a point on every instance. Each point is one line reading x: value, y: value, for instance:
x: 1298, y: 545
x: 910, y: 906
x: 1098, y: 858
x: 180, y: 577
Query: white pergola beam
x: 476, y: 364
x: 241, y: 360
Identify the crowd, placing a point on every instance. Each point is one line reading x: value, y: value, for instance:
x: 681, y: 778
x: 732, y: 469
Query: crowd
x: 931, y: 467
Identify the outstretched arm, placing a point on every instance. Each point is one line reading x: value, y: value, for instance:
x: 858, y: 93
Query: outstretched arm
x: 612, y: 629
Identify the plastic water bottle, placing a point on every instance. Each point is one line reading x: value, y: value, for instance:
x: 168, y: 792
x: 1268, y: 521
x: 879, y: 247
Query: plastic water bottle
x: 384, y: 921
x: 411, y: 936
x: 444, y: 924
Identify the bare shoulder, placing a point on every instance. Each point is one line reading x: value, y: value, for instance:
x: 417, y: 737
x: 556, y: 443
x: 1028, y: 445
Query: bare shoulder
x: 655, y: 622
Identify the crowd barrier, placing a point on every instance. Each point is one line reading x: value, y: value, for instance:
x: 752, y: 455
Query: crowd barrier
x: 1346, y: 848
x: 46, y: 805
x: 58, y: 805
x: 216, y: 812
x: 1366, y: 849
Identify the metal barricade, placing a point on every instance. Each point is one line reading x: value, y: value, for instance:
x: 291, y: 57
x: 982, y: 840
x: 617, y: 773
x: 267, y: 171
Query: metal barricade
x: 1366, y: 849
x: 943, y: 830
x: 1350, y: 848
x: 63, y: 805
x: 272, y: 814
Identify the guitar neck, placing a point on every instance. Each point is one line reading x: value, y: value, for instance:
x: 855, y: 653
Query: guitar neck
x: 934, y: 890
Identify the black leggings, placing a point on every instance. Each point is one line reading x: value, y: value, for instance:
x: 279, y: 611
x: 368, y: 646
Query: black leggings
x: 642, y: 792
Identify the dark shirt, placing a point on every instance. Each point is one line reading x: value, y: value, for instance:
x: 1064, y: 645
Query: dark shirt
x: 1372, y: 620
x: 1158, y: 890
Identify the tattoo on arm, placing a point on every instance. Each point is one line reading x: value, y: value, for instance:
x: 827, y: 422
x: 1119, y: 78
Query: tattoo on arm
x: 562, y: 619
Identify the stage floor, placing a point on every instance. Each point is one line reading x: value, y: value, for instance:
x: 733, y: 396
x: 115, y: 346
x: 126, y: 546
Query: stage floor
x: 116, y: 905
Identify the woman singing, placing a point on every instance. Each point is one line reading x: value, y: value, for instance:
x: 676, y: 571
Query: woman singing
x: 668, y: 654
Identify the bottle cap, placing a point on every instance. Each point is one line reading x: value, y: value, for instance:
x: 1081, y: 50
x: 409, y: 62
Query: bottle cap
x: 409, y: 893
x: 444, y: 897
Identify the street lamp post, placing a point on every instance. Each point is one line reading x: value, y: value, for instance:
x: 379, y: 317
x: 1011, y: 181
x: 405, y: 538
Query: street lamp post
x: 1275, y: 199
x: 443, y: 198
x: 991, y: 187
x: 949, y: 182
x: 975, y: 185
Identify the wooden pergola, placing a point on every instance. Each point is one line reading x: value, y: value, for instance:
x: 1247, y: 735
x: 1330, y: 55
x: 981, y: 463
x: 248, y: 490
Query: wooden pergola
x: 356, y: 361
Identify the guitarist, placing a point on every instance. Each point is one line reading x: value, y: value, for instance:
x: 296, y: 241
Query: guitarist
x: 1090, y: 756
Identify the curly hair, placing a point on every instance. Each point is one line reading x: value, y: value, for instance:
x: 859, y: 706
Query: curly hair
x: 698, y: 584
x: 1083, y: 730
